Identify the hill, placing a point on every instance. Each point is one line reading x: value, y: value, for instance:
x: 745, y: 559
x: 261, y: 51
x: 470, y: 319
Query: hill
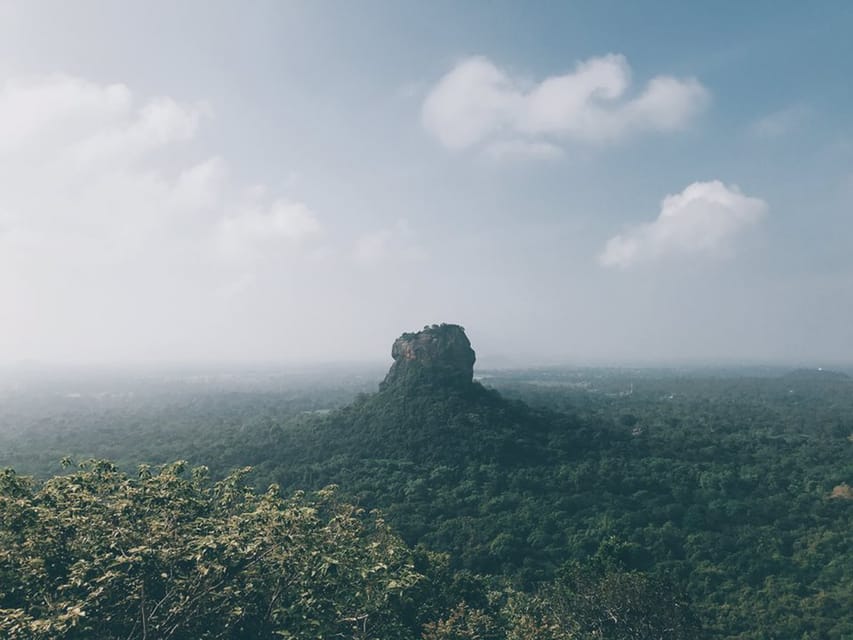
x: 436, y: 451
x: 430, y: 411
x: 816, y: 375
x: 719, y: 487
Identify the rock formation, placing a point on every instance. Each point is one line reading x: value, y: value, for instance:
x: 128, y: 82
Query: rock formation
x: 440, y: 355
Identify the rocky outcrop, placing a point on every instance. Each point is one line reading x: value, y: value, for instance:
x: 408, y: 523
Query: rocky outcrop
x: 440, y: 355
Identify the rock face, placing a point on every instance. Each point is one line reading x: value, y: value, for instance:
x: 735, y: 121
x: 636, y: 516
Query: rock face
x: 440, y: 355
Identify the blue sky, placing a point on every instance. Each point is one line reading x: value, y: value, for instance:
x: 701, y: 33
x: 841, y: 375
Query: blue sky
x: 295, y: 182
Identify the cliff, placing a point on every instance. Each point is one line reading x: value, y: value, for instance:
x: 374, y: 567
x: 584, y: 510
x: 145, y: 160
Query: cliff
x: 439, y: 356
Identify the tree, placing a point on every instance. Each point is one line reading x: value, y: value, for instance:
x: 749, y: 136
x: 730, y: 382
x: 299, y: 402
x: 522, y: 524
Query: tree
x: 606, y: 602
x: 170, y: 555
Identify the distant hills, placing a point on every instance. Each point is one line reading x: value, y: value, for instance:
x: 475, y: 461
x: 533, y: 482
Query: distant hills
x: 815, y: 375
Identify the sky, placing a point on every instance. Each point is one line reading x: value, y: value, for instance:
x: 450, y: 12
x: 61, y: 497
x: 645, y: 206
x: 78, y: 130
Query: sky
x: 301, y: 182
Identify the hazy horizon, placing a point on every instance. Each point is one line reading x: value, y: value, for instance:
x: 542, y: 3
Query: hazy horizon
x: 484, y: 364
x: 296, y: 184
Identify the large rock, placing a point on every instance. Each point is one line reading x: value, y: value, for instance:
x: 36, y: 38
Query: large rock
x: 440, y: 355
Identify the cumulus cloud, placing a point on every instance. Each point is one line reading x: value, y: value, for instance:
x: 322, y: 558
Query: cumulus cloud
x: 81, y: 181
x: 252, y: 228
x: 33, y: 110
x: 160, y: 122
x: 477, y: 102
x: 703, y: 219
x: 111, y: 223
x: 121, y: 236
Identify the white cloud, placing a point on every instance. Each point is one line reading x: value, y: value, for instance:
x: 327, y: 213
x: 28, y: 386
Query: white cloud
x: 703, y: 219
x: 83, y: 181
x: 110, y: 224
x: 252, y: 229
x: 120, y: 236
x: 159, y: 123
x: 478, y: 102
x: 200, y: 187
x: 50, y: 109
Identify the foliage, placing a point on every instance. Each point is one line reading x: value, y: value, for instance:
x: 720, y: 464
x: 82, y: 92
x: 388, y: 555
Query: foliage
x: 618, y: 605
x: 463, y: 623
x: 727, y: 488
x: 170, y: 555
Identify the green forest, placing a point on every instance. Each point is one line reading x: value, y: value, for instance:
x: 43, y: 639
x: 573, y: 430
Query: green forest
x: 552, y: 503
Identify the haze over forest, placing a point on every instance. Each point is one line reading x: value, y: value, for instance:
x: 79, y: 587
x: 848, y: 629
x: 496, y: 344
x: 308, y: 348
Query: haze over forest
x: 203, y: 182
